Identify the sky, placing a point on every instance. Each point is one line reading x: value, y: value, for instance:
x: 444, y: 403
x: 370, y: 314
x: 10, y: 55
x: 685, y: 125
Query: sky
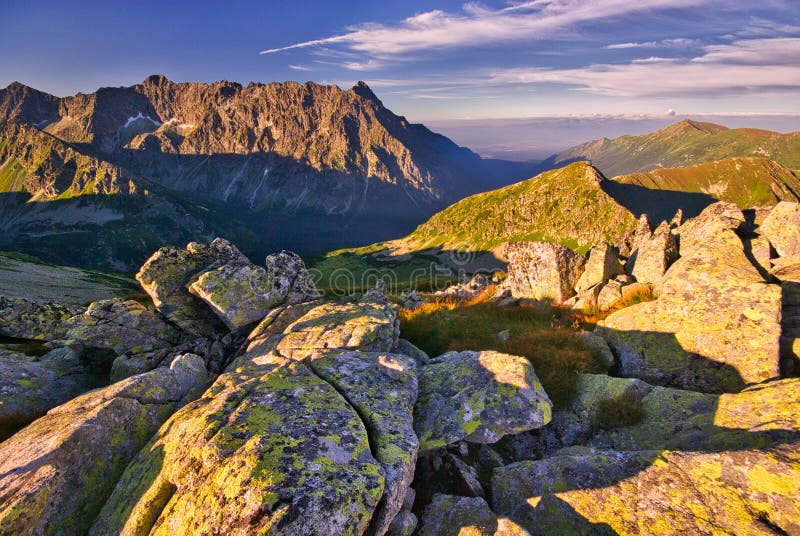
x: 439, y: 62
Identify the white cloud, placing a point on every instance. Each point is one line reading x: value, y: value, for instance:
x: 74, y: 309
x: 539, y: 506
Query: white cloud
x: 478, y: 25
x: 664, y: 43
x: 742, y: 67
x: 299, y: 68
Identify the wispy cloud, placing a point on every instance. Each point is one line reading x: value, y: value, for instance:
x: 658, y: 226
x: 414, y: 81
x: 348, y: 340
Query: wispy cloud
x: 742, y: 67
x: 476, y: 25
x: 664, y: 43
x: 300, y: 68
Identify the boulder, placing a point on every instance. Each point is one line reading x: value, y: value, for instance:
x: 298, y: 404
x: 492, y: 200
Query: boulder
x: 599, y: 347
x: 603, y: 264
x: 782, y: 228
x: 383, y: 389
x: 25, y: 319
x: 543, y: 271
x: 242, y: 294
x: 609, y: 295
x: 715, y: 326
x: 479, y: 397
x: 31, y: 385
x: 169, y: 270
x: 364, y: 326
x: 654, y: 255
x: 746, y: 491
x: 56, y: 473
x: 403, y: 525
x: 761, y: 252
x: 701, y: 230
x: 450, y: 515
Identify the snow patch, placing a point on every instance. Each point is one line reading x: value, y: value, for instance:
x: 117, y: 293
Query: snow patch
x: 140, y: 117
x: 257, y: 188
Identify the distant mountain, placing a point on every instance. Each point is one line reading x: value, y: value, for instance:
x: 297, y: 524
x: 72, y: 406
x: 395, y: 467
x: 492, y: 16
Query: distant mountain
x: 305, y: 166
x: 567, y: 205
x: 747, y: 182
x: 685, y: 143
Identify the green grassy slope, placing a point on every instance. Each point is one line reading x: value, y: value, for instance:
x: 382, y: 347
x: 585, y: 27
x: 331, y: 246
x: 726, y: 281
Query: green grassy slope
x: 685, y: 143
x: 746, y: 182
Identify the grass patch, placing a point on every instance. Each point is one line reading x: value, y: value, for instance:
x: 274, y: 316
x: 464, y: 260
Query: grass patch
x: 625, y: 410
x: 546, y: 335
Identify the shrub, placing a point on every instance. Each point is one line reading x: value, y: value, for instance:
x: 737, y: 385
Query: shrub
x: 625, y: 410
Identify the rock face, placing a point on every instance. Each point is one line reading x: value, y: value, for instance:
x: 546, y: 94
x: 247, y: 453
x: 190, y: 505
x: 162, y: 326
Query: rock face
x: 241, y: 294
x: 24, y: 319
x: 716, y: 324
x: 479, y: 397
x: 543, y: 271
x: 782, y: 228
x: 168, y: 271
x: 56, y: 473
x: 654, y: 255
x: 603, y: 264
x: 746, y: 491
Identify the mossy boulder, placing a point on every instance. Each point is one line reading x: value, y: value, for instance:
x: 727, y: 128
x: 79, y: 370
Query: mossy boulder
x: 542, y: 270
x: 165, y: 275
x: 31, y: 385
x: 41, y: 321
x: 782, y: 228
x: 479, y: 397
x: 715, y: 326
x: 369, y: 327
x: 242, y: 294
x: 56, y: 473
x: 272, y: 450
x: 383, y: 389
x: 746, y: 491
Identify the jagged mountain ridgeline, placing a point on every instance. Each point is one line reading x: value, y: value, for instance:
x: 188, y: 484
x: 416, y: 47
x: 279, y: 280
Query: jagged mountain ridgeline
x: 682, y: 144
x: 267, y: 164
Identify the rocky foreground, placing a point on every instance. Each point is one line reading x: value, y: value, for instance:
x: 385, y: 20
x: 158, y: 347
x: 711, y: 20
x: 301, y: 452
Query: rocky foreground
x: 240, y: 402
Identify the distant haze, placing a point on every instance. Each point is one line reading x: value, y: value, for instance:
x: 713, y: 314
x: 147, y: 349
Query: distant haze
x: 534, y: 139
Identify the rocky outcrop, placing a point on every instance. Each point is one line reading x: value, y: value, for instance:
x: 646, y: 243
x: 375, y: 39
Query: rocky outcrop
x: 56, y: 474
x: 168, y: 271
x: 603, y: 264
x: 543, y: 271
x: 782, y: 229
x: 479, y: 397
x: 242, y: 293
x: 711, y: 300
x: 24, y: 319
x: 654, y: 255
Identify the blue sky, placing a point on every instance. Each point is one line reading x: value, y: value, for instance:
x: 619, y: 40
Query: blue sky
x: 438, y: 60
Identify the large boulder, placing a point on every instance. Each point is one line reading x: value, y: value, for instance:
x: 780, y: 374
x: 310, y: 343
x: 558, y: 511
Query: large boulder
x: 364, y: 326
x: 782, y: 228
x: 654, y: 255
x: 715, y: 326
x: 242, y: 294
x: 543, y: 271
x: 603, y: 264
x: 746, y: 491
x: 56, y: 473
x: 25, y: 319
x: 450, y: 515
x: 31, y: 385
x: 169, y: 270
x: 479, y: 397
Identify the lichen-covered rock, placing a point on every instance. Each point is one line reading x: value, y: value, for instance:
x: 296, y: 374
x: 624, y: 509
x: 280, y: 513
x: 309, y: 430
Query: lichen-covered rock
x: 31, y: 385
x: 609, y: 295
x: 25, y: 319
x: 603, y: 264
x: 403, y: 525
x: 701, y: 230
x: 268, y: 449
x: 449, y: 515
x: 715, y: 326
x: 655, y: 255
x: 599, y: 348
x: 167, y: 272
x: 383, y: 389
x: 405, y: 347
x: 747, y: 491
x: 782, y: 228
x: 543, y: 271
x: 242, y: 294
x: 369, y: 327
x: 478, y: 396
x: 126, y: 327
x: 56, y: 473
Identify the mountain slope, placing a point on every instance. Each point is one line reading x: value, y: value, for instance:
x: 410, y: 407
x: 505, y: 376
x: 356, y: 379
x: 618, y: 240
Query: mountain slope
x: 746, y: 182
x: 685, y: 143
x: 568, y: 206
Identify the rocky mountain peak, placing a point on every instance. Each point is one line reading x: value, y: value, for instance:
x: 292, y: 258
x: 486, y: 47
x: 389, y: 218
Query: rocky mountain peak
x: 363, y: 90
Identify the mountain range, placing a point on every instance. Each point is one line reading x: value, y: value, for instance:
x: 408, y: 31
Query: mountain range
x: 270, y: 165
